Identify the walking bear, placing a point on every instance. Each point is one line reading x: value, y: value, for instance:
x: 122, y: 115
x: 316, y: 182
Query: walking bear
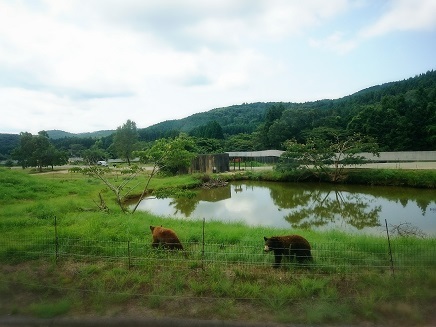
x: 165, y: 237
x: 289, y: 246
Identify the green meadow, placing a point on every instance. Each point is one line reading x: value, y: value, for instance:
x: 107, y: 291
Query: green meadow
x: 61, y: 256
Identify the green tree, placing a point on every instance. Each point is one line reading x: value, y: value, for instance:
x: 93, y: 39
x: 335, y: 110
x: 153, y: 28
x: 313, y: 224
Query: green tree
x: 76, y: 149
x: 94, y: 154
x: 119, y: 187
x: 212, y: 130
x: 37, y: 151
x: 207, y: 145
x: 327, y: 157
x: 243, y: 142
x: 171, y: 156
x: 273, y: 114
x: 23, y: 153
x: 54, y: 157
x: 125, y: 140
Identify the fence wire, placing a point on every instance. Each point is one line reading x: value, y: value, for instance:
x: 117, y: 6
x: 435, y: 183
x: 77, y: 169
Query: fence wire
x: 327, y: 257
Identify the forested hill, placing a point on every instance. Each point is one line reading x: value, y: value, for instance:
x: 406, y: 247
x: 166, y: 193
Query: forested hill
x: 57, y: 134
x: 399, y: 115
x: 244, y: 118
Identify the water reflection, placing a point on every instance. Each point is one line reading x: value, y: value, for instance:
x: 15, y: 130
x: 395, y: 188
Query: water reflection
x: 350, y: 208
x: 335, y: 207
x: 185, y: 206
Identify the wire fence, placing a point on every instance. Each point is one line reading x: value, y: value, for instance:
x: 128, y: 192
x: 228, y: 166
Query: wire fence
x: 328, y: 257
x: 235, y: 275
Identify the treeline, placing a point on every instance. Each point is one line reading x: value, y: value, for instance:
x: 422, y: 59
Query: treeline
x: 399, y: 116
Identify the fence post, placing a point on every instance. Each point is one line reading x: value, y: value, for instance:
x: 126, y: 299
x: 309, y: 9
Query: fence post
x: 56, y: 240
x: 390, y: 250
x: 202, y: 250
x: 128, y: 253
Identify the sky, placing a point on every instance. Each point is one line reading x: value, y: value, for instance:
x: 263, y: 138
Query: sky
x: 84, y: 66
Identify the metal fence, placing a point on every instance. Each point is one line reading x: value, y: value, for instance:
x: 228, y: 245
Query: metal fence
x: 329, y: 257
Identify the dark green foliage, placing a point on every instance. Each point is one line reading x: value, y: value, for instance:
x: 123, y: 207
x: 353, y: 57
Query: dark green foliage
x: 93, y: 154
x: 244, y: 118
x: 57, y: 134
x: 38, y: 151
x: 326, y: 156
x: 208, y: 145
x: 243, y: 142
x: 172, y: 156
x: 400, y: 116
x: 74, y: 145
x: 7, y: 143
x: 393, y: 177
x: 125, y: 140
x: 212, y: 130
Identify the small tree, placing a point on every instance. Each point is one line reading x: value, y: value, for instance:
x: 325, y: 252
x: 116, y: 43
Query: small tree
x: 168, y: 156
x: 119, y: 188
x: 171, y: 156
x: 125, y: 139
x: 328, y: 156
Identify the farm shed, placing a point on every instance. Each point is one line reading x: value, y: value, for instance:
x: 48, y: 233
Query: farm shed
x: 265, y: 157
x: 210, y: 163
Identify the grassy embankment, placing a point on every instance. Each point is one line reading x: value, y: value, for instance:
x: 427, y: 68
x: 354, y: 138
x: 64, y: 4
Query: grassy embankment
x: 106, y: 266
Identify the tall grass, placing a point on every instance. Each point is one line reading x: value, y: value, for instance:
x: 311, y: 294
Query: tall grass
x: 106, y: 265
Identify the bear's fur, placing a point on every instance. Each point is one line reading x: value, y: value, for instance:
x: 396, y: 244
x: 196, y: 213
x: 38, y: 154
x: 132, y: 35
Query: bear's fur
x: 288, y: 246
x: 165, y: 237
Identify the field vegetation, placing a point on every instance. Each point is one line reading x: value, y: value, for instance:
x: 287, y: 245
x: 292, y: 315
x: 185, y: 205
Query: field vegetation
x: 60, y: 255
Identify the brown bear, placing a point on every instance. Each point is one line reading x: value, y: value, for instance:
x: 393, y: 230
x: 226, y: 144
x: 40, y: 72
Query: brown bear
x: 288, y: 246
x: 165, y: 237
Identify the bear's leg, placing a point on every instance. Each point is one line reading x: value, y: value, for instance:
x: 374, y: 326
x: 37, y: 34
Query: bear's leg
x: 290, y: 254
x: 303, y: 255
x: 155, y: 243
x: 277, y: 259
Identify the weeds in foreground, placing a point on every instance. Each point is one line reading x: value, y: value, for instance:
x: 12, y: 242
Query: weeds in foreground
x: 105, y: 265
x: 45, y: 290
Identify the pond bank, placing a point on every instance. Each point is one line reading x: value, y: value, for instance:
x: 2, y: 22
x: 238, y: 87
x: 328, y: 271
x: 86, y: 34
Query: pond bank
x: 417, y: 178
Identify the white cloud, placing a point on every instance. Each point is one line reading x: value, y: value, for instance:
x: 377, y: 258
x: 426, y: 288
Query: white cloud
x: 393, y: 16
x: 92, y: 64
x: 404, y: 15
x: 335, y: 43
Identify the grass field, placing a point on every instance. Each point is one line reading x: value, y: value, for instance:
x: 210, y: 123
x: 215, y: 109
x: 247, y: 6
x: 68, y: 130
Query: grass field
x: 101, y: 263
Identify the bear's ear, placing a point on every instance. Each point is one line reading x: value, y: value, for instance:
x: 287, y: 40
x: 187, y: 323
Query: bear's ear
x: 265, y: 238
x: 151, y: 228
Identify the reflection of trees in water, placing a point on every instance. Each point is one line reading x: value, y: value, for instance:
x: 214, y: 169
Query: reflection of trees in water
x: 317, y: 208
x: 423, y: 205
x: 290, y: 199
x: 186, y: 206
x: 314, y: 205
x: 404, y: 195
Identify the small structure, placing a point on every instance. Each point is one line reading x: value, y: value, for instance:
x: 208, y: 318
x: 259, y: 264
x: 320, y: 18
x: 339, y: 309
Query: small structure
x: 269, y: 157
x: 210, y: 163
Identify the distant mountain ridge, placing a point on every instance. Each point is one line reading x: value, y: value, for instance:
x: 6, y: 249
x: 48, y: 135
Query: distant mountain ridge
x: 413, y: 93
x: 243, y: 118
x: 247, y: 117
x: 58, y: 134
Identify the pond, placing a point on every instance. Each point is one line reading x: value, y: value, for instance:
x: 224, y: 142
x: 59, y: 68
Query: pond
x: 350, y: 208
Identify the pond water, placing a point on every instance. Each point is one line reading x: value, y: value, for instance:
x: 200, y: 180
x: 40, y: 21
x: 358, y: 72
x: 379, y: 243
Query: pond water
x: 355, y: 209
